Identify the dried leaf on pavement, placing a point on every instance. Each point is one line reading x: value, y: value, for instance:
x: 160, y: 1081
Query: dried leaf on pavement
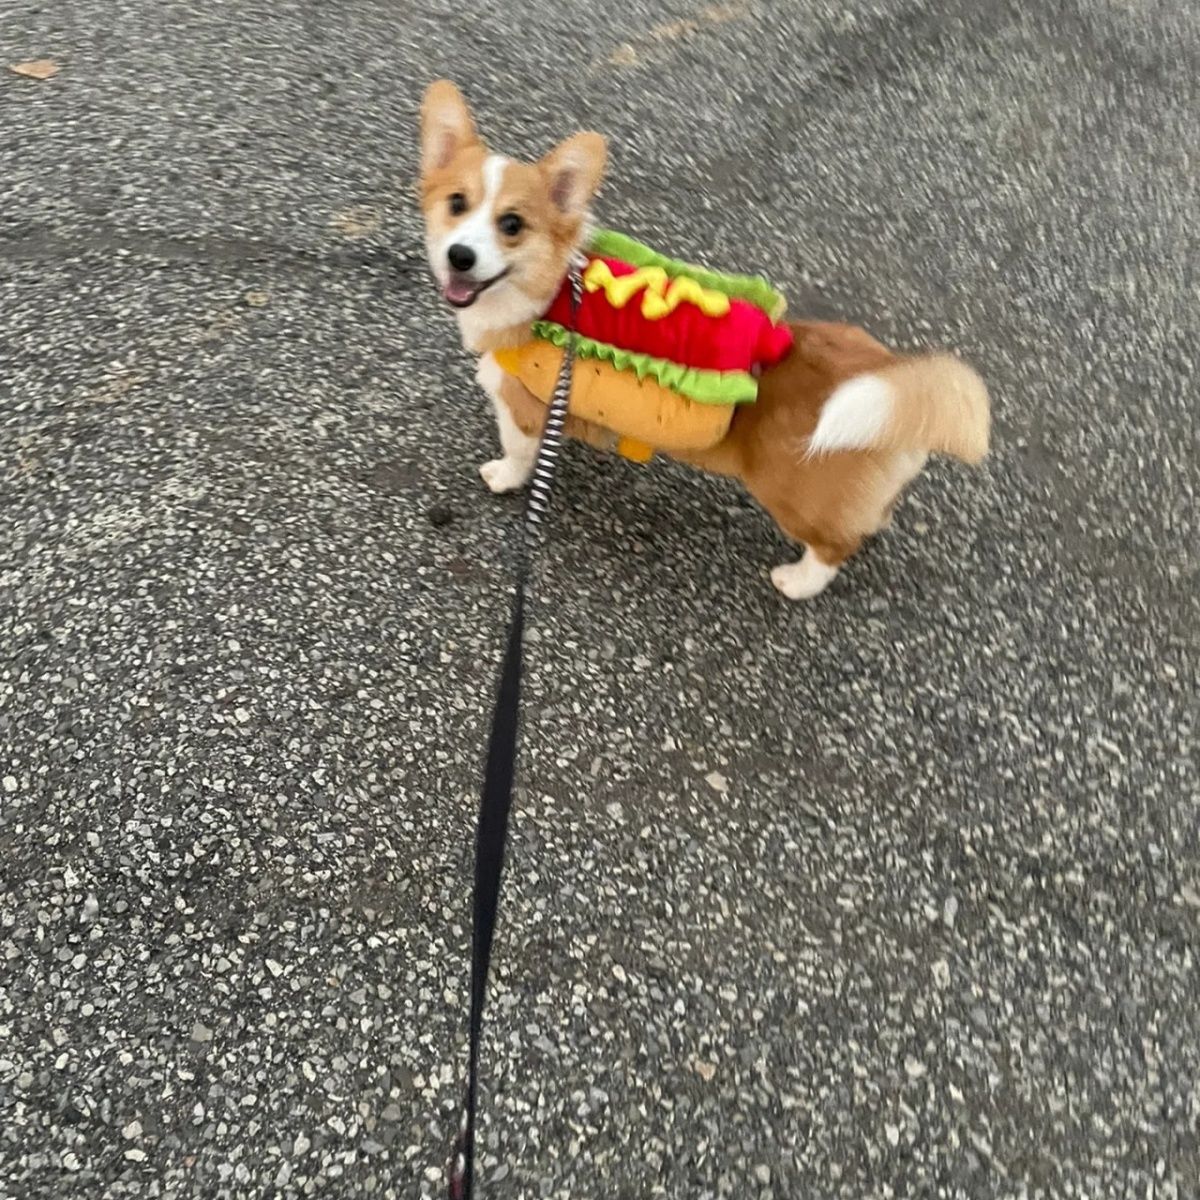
x: 356, y: 222
x: 40, y: 68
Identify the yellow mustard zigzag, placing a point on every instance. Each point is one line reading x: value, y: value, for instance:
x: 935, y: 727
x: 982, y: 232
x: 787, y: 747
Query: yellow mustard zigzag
x: 662, y: 294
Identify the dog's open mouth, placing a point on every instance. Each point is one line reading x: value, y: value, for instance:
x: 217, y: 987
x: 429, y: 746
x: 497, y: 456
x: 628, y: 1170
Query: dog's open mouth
x: 462, y: 292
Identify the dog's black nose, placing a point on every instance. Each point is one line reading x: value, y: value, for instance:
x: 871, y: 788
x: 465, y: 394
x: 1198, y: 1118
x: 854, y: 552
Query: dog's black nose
x: 462, y: 258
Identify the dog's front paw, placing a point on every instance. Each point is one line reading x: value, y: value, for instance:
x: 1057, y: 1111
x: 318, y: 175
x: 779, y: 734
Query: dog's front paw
x: 505, y: 474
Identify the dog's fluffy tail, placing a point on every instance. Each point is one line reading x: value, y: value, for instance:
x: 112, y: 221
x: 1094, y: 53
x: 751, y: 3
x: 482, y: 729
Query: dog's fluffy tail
x: 932, y: 404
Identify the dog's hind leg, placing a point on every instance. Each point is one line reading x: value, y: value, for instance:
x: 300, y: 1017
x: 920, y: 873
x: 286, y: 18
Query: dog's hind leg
x: 807, y: 578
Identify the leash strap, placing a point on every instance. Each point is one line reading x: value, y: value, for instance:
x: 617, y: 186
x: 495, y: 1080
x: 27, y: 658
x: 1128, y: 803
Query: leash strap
x: 491, y: 832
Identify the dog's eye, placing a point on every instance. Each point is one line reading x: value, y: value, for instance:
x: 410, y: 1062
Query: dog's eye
x: 458, y: 204
x: 510, y: 224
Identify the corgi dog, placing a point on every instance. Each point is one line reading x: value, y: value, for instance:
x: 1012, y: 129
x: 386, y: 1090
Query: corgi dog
x: 840, y: 426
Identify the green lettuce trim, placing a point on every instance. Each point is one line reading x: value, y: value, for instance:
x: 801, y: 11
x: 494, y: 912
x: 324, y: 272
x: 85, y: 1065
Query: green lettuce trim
x: 705, y: 387
x: 752, y: 289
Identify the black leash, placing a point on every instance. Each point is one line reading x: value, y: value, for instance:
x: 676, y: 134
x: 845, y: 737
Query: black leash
x: 491, y: 832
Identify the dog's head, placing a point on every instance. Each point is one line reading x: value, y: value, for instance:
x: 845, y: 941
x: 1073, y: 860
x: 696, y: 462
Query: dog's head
x: 499, y: 233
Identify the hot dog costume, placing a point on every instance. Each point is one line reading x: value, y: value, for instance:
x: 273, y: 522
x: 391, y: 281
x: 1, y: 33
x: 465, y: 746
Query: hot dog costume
x: 665, y: 351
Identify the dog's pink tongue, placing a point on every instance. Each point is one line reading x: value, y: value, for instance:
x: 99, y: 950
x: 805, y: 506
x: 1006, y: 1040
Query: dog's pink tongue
x: 459, y: 291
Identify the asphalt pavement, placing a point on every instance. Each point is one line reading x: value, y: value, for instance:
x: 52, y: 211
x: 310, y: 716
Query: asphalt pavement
x: 895, y: 894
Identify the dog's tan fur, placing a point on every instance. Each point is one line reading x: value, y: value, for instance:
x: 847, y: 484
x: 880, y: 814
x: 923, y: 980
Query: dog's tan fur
x: 830, y: 501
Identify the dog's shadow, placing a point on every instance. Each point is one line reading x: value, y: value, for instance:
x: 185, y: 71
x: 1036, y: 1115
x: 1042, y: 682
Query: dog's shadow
x: 665, y: 530
x: 661, y: 527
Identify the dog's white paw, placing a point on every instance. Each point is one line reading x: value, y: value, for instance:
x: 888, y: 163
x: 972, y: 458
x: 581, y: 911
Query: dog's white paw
x: 804, y: 579
x: 505, y: 474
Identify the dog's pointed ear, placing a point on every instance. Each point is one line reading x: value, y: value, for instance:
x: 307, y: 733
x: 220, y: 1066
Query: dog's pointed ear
x: 446, y: 125
x: 573, y: 170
